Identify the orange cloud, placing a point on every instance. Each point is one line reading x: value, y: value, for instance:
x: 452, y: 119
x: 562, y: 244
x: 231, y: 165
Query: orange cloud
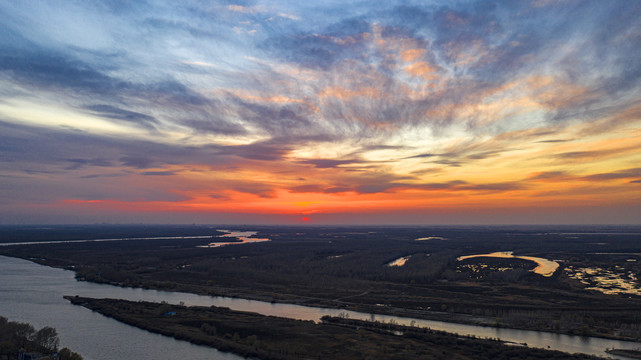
x: 347, y: 94
x: 421, y: 69
x: 412, y: 55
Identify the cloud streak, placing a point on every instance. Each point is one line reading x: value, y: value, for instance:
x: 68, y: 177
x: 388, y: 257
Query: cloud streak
x: 319, y: 107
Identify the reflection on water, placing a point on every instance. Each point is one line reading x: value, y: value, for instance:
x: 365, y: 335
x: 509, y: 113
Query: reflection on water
x: 478, y: 267
x: 243, y: 236
x: 544, y: 267
x: 430, y: 238
x: 608, y: 281
x: 33, y: 293
x: 399, y: 262
x: 103, y: 240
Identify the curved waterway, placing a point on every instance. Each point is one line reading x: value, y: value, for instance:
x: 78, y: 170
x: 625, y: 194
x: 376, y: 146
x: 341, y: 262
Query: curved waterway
x: 242, y: 236
x: 32, y: 293
x: 544, y: 267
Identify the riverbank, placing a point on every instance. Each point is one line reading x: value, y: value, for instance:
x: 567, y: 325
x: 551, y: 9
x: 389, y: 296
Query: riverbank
x: 633, y: 354
x: 384, y: 309
x: 343, y: 269
x: 274, y: 338
x: 426, y: 313
x: 124, y: 340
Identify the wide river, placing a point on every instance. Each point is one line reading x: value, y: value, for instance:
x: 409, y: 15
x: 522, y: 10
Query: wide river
x: 32, y: 293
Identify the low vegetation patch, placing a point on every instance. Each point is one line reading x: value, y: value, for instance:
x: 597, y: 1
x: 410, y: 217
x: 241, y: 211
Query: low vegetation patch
x: 268, y: 337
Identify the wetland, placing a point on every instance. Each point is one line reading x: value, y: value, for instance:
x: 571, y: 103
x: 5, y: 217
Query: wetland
x: 348, y: 268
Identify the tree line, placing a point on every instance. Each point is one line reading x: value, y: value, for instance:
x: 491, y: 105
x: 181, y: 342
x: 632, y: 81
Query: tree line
x: 17, y: 336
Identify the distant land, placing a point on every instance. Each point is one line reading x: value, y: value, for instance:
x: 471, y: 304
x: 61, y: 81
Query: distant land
x: 446, y: 273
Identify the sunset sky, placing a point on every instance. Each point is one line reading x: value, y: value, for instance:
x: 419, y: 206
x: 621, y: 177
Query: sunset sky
x: 320, y: 112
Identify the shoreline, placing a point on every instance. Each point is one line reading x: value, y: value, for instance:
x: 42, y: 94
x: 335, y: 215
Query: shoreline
x: 272, y: 337
x: 288, y: 299
x: 633, y: 354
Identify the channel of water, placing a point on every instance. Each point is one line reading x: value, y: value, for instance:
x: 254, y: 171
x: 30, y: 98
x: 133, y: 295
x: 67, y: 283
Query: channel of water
x: 32, y: 293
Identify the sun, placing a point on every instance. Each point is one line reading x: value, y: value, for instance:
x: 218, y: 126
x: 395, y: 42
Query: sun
x: 305, y: 219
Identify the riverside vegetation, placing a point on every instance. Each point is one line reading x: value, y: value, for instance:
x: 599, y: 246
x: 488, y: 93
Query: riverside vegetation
x: 15, y: 336
x: 347, y: 267
x: 275, y: 338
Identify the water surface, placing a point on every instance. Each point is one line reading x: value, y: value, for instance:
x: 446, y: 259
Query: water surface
x: 32, y: 293
x: 244, y: 237
x: 544, y: 267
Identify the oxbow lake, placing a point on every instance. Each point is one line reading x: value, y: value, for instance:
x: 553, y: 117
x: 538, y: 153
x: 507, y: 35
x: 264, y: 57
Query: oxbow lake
x: 544, y: 267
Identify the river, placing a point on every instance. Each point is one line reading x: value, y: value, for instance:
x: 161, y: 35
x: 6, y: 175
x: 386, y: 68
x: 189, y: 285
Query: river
x: 32, y: 293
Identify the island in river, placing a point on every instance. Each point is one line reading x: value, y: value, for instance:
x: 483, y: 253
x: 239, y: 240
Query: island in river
x: 275, y: 338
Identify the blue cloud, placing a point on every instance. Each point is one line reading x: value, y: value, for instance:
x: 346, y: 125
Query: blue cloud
x: 116, y: 113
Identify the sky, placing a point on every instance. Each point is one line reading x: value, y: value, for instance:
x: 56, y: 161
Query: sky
x: 320, y: 112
